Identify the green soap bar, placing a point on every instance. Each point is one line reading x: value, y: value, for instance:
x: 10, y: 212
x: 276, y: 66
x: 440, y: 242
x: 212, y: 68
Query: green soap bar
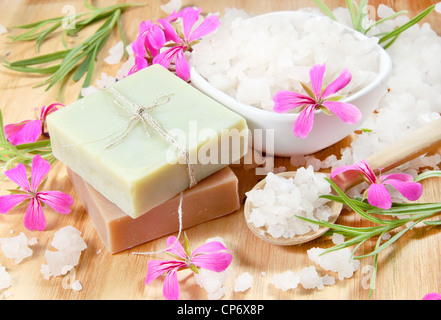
x: 143, y: 169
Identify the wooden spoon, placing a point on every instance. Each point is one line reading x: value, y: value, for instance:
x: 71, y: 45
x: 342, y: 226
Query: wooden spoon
x: 414, y: 144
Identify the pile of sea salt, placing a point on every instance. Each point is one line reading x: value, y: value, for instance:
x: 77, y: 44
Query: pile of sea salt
x: 413, y: 100
x: 251, y: 58
x: 275, y: 207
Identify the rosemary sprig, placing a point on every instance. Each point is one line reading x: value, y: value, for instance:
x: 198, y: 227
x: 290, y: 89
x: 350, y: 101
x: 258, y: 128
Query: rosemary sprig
x: 76, y: 61
x: 359, y: 11
x: 410, y: 214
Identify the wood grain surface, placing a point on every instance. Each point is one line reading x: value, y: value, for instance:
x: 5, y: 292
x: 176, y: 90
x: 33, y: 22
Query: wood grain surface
x: 407, y: 270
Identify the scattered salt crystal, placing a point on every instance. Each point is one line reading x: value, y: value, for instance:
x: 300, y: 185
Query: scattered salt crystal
x: 286, y: 280
x: 365, y: 281
x: 69, y: 243
x: 3, y: 29
x: 115, y: 53
x: 32, y: 241
x: 212, y: 282
x: 438, y: 7
x: 339, y: 261
x: 16, y: 247
x: 338, y: 238
x: 243, y: 282
x: 76, y: 286
x: 172, y: 5
x: 5, y: 278
x: 310, y: 279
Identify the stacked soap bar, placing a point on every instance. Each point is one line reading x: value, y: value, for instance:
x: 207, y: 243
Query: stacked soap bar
x: 213, y: 197
x: 101, y: 138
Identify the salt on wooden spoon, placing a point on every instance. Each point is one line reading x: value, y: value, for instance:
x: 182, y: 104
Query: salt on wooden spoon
x: 411, y: 146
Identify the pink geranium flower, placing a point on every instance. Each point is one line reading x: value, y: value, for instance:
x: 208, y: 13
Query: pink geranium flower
x: 34, y: 218
x: 377, y: 193
x: 183, y: 36
x: 29, y: 131
x: 150, y: 40
x: 432, y: 296
x: 317, y: 99
x: 212, y: 256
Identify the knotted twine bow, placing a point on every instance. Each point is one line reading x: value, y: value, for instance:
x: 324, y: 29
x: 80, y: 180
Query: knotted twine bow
x: 140, y: 114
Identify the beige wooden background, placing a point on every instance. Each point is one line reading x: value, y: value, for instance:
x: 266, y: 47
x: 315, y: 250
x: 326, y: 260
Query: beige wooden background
x: 409, y: 270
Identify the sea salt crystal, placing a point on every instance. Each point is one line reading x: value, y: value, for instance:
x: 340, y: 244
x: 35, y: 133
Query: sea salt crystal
x: 16, y: 247
x: 282, y: 199
x: 172, y: 5
x: 212, y: 282
x: 69, y: 244
x: 286, y: 280
x: 292, y: 47
x: 243, y: 282
x: 339, y: 261
x: 115, y: 53
x: 5, y: 278
x: 3, y: 29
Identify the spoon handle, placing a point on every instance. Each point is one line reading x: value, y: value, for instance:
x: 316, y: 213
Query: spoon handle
x: 411, y: 146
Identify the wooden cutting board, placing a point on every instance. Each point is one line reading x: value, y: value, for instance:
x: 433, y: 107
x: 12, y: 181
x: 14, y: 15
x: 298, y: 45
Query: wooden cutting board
x: 409, y: 270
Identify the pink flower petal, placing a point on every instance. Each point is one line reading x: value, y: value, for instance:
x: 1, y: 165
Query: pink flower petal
x: 182, y: 66
x: 189, y: 17
x: 218, y: 261
x: 379, y: 196
x: 34, y: 218
x: 29, y: 133
x: 304, y: 122
x: 345, y: 111
x: 156, y: 268
x: 209, y: 24
x: 14, y: 128
x: 361, y: 166
x: 18, y: 175
x: 166, y: 57
x: 155, y: 38
x: 410, y: 190
x: 169, y: 31
x: 171, y: 286
x: 57, y: 200
x: 287, y: 100
x: 40, y: 168
x: 432, y: 296
x: 338, y: 84
x: 316, y: 74
x: 45, y: 111
x: 9, y: 201
x: 210, y: 247
x: 175, y: 247
x: 397, y: 176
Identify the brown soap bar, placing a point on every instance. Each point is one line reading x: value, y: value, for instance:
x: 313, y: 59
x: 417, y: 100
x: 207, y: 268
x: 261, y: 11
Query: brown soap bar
x: 213, y: 197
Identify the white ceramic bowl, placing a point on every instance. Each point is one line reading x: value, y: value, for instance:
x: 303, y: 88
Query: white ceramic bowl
x: 327, y: 130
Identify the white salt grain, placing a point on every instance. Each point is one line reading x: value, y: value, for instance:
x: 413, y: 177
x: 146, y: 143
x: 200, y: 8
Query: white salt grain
x: 5, y: 278
x: 115, y: 53
x: 339, y: 261
x: 438, y: 7
x: 16, y: 247
x: 243, y: 282
x: 172, y: 5
x: 212, y: 282
x: 278, y: 204
x: 292, y: 47
x: 69, y: 244
x: 3, y: 29
x: 286, y: 280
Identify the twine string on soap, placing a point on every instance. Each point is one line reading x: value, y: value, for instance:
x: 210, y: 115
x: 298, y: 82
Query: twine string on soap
x: 140, y: 114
